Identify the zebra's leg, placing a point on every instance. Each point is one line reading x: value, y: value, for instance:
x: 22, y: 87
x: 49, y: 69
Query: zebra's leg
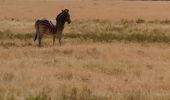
x: 35, y: 37
x: 59, y: 40
x: 54, y: 36
x: 59, y: 36
x: 39, y: 39
x: 37, y: 30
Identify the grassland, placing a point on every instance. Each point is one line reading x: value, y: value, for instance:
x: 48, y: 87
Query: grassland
x: 98, y: 60
x: 117, y: 50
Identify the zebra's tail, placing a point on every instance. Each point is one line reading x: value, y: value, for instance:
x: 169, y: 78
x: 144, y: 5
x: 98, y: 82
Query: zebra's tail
x: 37, y: 29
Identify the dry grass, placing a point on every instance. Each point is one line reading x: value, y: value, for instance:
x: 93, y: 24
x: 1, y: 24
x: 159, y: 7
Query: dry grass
x: 132, y: 65
x: 87, y: 70
x: 16, y: 26
x: 84, y: 69
x: 116, y: 70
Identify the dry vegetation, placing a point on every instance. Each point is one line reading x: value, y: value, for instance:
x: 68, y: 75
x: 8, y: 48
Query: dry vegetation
x: 100, y: 59
x: 96, y: 61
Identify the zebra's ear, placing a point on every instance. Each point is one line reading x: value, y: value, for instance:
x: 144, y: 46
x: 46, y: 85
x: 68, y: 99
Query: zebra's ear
x: 65, y: 10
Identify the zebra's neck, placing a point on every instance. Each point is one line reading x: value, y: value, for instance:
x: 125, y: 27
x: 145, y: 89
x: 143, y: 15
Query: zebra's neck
x: 60, y: 25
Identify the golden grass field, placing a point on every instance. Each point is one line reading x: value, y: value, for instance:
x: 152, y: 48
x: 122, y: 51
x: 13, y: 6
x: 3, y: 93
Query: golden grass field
x: 135, y: 67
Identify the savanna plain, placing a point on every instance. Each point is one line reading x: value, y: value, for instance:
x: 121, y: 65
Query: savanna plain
x: 112, y: 50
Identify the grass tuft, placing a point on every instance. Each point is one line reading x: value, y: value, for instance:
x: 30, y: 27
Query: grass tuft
x: 80, y: 94
x: 68, y: 94
x: 40, y: 96
x: 140, y: 20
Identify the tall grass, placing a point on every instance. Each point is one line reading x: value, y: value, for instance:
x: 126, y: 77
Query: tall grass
x: 105, y: 31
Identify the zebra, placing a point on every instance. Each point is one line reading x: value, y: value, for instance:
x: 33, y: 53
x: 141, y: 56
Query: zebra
x: 43, y: 26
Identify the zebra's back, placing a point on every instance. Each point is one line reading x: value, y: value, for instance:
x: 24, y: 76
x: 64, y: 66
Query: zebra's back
x: 46, y: 26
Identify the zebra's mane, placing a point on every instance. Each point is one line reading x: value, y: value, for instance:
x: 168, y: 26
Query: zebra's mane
x: 62, y: 14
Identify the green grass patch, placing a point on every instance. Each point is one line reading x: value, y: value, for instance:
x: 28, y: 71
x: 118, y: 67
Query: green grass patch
x: 108, y: 37
x: 20, y: 36
x: 161, y: 38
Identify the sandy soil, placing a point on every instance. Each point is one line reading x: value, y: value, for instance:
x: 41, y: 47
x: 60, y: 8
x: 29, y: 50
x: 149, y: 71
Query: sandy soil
x: 85, y: 9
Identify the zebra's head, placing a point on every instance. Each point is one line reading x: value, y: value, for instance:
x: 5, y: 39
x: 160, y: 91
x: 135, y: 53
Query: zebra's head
x: 64, y: 16
x: 67, y: 15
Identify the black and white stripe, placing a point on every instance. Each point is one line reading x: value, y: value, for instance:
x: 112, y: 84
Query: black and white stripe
x: 45, y: 26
